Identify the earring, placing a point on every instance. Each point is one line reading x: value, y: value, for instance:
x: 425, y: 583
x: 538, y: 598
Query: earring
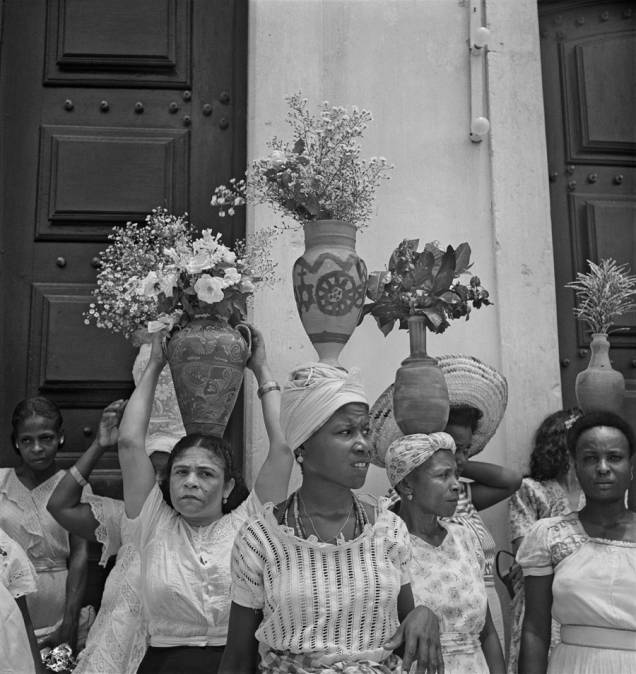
x: 224, y: 500
x: 299, y: 458
x: 409, y: 497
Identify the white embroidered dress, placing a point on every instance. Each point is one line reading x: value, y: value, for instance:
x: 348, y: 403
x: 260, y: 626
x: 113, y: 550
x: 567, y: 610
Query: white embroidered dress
x: 449, y: 580
x: 23, y: 515
x: 117, y: 641
x: 594, y: 586
x: 534, y: 501
x: 186, y: 572
x: 328, y: 602
x: 17, y: 578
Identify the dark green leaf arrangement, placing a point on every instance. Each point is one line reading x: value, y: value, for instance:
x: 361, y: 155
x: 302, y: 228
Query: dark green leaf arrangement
x: 424, y: 283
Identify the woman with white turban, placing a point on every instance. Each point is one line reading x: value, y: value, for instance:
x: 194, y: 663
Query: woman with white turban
x: 320, y: 582
x: 448, y: 562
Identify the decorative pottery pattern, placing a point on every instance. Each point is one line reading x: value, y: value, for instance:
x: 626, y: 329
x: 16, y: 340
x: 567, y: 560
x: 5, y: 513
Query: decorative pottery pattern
x: 330, y: 283
x: 207, y: 359
x: 600, y: 388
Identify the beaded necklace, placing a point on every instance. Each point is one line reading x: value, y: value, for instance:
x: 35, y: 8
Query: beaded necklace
x: 361, y: 518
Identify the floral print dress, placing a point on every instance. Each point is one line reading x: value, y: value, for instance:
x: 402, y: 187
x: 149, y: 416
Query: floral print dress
x: 449, y: 579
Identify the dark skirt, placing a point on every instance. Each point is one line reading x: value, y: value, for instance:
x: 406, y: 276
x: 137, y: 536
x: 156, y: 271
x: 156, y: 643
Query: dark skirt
x: 182, y: 660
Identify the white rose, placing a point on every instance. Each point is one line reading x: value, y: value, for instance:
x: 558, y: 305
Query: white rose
x: 209, y: 288
x: 150, y: 285
x: 167, y: 282
x: 198, y: 263
x: 229, y: 257
x: 231, y: 277
x: 277, y: 158
x: 246, y: 286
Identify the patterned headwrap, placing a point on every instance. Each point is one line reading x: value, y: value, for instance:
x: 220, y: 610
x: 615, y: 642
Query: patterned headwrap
x: 410, y: 451
x: 313, y: 393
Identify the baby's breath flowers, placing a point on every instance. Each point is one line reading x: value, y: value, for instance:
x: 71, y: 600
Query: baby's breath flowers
x: 318, y: 174
x: 604, y: 294
x: 162, y: 274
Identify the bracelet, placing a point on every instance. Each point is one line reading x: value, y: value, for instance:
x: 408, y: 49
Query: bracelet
x: 266, y: 388
x: 77, y: 476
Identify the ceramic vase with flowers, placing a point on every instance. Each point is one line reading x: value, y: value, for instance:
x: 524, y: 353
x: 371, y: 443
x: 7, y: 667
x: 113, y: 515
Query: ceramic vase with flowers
x: 194, y: 288
x: 421, y: 290
x: 603, y: 295
x: 319, y: 180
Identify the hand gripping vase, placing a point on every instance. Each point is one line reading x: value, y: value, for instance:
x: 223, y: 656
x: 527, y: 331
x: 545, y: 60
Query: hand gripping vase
x: 330, y: 283
x: 600, y: 388
x: 207, y: 358
x: 420, y: 396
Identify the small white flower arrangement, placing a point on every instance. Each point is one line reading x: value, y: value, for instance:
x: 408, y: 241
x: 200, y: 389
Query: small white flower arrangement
x: 163, y: 274
x: 317, y: 175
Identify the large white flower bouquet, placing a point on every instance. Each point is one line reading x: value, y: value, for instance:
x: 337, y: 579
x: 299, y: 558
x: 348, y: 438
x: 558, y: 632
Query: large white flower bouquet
x: 162, y: 274
x: 318, y: 174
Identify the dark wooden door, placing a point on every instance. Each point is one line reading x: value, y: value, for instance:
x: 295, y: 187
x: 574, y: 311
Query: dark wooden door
x: 588, y: 53
x: 109, y: 109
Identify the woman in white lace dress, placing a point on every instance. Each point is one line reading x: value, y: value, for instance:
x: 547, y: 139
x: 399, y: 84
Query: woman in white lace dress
x: 60, y: 559
x: 18, y: 647
x: 581, y: 567
x: 185, y: 528
x: 117, y: 639
x: 320, y: 582
x: 448, y: 563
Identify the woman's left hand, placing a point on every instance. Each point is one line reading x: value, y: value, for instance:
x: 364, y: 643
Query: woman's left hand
x: 419, y: 634
x: 108, y: 430
x: 258, y: 359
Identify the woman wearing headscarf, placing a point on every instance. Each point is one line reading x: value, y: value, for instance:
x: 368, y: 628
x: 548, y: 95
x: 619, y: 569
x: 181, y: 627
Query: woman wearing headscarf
x: 580, y: 567
x: 448, y: 562
x: 320, y: 582
x: 478, y: 395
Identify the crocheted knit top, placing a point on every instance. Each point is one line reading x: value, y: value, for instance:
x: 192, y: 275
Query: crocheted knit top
x: 337, y: 601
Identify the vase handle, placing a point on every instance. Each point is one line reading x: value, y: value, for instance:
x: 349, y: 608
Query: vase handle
x: 244, y: 330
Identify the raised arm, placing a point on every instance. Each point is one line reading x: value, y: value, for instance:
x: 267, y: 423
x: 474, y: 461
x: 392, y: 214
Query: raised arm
x: 65, y: 502
x: 535, y: 635
x: 492, y: 483
x: 273, y: 477
x: 138, y: 475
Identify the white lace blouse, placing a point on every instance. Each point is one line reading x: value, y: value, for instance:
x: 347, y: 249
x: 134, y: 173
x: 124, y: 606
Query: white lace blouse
x: 336, y: 601
x: 117, y: 639
x: 185, y: 572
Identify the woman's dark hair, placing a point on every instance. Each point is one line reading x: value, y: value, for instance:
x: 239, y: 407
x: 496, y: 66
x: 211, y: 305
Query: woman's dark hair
x: 464, y: 415
x: 34, y: 407
x: 594, y: 419
x: 220, y: 449
x: 550, y: 459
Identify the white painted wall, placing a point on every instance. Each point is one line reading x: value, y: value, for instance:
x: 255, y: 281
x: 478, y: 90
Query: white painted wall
x: 408, y: 62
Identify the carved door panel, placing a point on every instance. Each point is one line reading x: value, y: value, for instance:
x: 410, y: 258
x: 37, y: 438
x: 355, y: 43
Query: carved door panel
x: 588, y: 52
x: 110, y: 108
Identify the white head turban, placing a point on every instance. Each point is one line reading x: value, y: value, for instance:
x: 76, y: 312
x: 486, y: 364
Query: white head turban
x: 313, y: 393
x: 410, y: 451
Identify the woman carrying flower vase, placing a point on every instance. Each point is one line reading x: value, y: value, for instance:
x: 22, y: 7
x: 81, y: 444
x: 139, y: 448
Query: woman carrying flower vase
x: 184, y: 528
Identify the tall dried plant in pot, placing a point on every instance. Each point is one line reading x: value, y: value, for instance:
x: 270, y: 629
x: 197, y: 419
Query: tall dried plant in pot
x: 603, y: 294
